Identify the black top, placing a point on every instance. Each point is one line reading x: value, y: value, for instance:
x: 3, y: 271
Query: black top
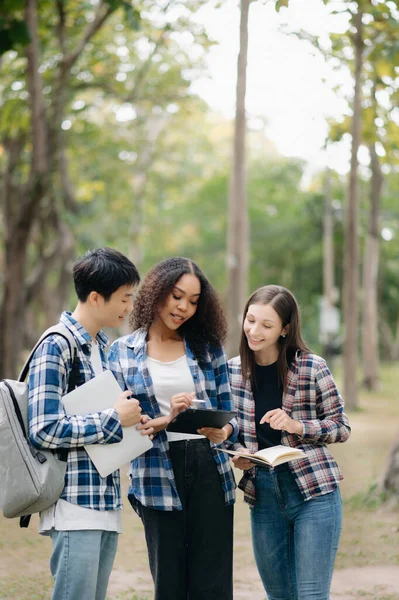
x: 268, y: 395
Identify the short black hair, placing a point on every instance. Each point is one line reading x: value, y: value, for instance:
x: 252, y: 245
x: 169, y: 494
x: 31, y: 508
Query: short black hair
x: 104, y: 271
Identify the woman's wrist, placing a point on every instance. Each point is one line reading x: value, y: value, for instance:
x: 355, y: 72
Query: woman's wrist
x: 298, y: 428
x: 228, y: 428
x: 160, y: 423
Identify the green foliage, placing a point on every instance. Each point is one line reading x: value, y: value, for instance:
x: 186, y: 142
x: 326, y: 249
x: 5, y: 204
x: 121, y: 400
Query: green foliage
x: 281, y: 3
x: 132, y: 15
x: 13, y: 29
x: 380, y: 57
x: 149, y: 162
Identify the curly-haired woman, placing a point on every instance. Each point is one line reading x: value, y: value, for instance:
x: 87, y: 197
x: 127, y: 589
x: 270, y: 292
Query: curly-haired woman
x: 183, y: 489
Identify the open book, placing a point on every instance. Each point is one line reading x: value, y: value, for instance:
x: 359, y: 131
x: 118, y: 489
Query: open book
x: 271, y: 457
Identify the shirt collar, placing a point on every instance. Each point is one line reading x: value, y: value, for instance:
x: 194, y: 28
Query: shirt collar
x: 138, y: 340
x: 80, y: 333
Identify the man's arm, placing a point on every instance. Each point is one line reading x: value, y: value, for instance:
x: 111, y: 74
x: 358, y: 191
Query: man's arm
x: 49, y: 426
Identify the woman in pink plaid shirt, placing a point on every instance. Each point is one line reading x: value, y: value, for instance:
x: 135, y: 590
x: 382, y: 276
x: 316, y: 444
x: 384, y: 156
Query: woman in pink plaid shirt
x: 286, y: 395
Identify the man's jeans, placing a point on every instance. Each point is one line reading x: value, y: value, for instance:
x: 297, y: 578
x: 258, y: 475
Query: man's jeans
x: 81, y: 563
x: 295, y: 542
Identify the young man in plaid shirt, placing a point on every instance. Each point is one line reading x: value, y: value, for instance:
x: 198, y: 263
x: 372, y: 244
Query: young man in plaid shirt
x: 84, y: 523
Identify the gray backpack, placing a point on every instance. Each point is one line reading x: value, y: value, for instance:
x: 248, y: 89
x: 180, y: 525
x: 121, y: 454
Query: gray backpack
x: 31, y: 480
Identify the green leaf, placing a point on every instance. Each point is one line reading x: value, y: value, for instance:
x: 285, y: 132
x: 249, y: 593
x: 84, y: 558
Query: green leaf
x: 132, y: 16
x: 115, y: 4
x: 5, y: 41
x: 10, y: 6
x: 14, y: 33
x: 384, y: 68
x: 280, y: 3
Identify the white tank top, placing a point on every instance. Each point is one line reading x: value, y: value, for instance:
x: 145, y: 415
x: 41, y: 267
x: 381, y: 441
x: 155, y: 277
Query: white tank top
x: 170, y: 378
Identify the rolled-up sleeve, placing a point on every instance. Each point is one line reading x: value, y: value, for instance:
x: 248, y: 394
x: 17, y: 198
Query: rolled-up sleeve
x: 332, y: 424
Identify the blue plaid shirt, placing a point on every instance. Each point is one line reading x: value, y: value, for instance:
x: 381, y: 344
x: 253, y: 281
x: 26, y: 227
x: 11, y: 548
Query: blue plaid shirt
x: 153, y: 482
x: 51, y: 428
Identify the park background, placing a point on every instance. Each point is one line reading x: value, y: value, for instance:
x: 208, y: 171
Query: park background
x: 260, y: 139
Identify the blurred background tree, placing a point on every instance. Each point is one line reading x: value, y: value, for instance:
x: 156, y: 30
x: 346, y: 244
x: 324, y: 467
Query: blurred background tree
x: 103, y: 141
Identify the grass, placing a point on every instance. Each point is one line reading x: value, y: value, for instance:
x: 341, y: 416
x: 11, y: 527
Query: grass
x: 370, y: 533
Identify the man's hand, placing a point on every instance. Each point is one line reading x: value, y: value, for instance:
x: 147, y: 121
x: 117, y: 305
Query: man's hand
x: 242, y: 463
x: 217, y: 436
x: 278, y: 419
x: 180, y: 402
x: 128, y: 409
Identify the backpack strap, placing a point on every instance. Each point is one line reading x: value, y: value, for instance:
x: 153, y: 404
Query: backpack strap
x: 60, y: 329
x: 74, y: 380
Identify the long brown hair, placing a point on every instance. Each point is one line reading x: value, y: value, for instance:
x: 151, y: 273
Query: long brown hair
x: 286, y: 306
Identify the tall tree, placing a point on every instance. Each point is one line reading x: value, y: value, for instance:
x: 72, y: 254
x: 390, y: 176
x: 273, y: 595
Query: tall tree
x: 238, y: 226
x: 238, y: 232
x: 76, y: 51
x: 33, y: 201
x: 351, y: 237
x: 21, y: 205
x: 379, y: 132
x: 379, y: 55
x: 370, y: 278
x: 329, y: 319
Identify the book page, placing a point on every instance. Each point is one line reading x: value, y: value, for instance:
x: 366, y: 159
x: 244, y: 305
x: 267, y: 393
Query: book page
x: 272, y: 457
x: 277, y: 455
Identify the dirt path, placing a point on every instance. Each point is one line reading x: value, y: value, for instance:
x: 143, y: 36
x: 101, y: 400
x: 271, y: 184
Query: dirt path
x: 367, y: 583
x: 356, y: 583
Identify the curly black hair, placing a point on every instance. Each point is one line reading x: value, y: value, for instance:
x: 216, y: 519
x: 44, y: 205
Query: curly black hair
x: 206, y: 328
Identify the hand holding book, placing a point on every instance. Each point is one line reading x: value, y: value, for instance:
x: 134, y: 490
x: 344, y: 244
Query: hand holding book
x: 242, y: 463
x: 128, y: 409
x: 268, y: 457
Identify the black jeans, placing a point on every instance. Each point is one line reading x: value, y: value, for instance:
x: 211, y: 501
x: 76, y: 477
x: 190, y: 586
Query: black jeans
x: 191, y: 551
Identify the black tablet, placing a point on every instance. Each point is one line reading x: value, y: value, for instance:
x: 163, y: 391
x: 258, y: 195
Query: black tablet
x: 192, y: 419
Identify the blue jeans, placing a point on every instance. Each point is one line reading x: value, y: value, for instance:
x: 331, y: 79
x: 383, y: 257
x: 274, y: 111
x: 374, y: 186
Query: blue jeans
x: 295, y: 542
x: 81, y: 563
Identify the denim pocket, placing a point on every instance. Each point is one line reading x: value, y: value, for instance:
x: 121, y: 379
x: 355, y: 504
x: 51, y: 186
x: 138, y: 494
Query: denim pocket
x: 289, y: 490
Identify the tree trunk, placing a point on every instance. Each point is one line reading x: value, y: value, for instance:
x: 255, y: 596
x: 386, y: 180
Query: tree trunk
x: 19, y: 213
x: 328, y: 245
x: 329, y: 313
x: 238, y: 228
x: 370, y: 280
x: 48, y: 159
x: 389, y: 338
x: 390, y: 480
x: 351, y: 234
x: 154, y: 128
x: 12, y: 307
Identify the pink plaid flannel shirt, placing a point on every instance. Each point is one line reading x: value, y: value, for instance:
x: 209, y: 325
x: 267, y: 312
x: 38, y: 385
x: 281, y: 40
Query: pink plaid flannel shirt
x: 312, y: 398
